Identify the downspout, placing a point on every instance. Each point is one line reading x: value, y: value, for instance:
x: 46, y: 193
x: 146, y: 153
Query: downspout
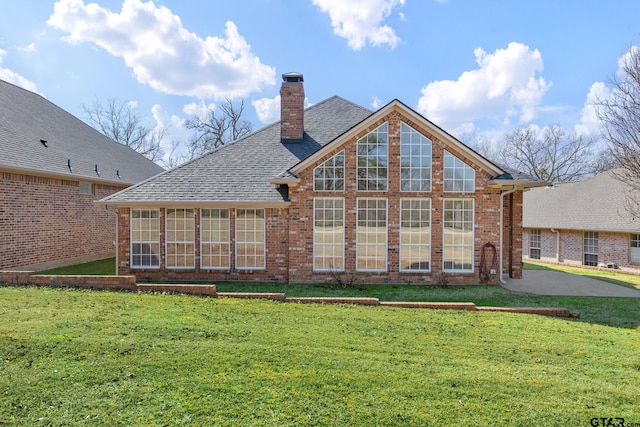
x: 553, y: 230
x: 502, y: 194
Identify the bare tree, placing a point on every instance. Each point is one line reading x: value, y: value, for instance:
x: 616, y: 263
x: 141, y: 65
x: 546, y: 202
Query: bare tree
x: 118, y: 121
x: 620, y: 116
x: 552, y: 154
x: 218, y: 128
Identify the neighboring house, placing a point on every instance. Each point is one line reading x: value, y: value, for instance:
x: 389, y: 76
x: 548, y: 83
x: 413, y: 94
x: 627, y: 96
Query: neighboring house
x: 328, y: 193
x: 52, y: 169
x: 582, y: 223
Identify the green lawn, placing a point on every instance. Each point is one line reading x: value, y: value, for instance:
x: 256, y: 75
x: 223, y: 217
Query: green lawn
x: 73, y: 357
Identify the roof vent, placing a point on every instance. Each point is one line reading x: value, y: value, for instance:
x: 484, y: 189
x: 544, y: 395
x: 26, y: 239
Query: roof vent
x: 44, y: 142
x: 292, y: 78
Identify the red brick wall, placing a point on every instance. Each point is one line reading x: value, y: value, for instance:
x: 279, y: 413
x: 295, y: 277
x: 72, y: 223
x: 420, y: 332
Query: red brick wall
x: 292, y: 111
x: 46, y: 220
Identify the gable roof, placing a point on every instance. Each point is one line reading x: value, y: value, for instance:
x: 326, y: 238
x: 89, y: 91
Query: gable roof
x: 26, y: 118
x: 244, y: 172
x: 593, y: 204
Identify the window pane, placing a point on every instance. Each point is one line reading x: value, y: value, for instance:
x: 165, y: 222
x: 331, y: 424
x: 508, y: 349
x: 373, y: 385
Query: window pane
x: 328, y: 234
x: 458, y: 177
x: 214, y: 239
x: 371, y: 235
x: 250, y: 246
x: 458, y: 235
x: 145, y: 238
x: 329, y: 176
x: 372, y: 160
x: 415, y: 160
x: 415, y: 234
x: 180, y: 238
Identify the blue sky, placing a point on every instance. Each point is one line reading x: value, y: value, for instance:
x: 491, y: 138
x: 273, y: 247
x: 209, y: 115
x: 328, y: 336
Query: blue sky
x: 474, y: 67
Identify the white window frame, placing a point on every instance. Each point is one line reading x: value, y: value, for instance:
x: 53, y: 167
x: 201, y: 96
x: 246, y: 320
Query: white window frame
x: 414, y: 149
x: 149, y: 230
x: 363, y: 246
x: 459, y: 172
x: 421, y: 244
x: 634, y: 248
x: 329, y: 172
x: 243, y: 241
x: 188, y: 238
x: 535, y: 237
x: 86, y: 188
x: 589, y: 243
x: 366, y: 144
x: 224, y: 240
x: 318, y: 246
x: 457, y: 246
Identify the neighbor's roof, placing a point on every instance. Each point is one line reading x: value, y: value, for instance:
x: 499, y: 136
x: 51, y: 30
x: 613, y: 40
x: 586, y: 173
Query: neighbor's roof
x: 593, y: 204
x: 26, y: 118
x: 244, y: 172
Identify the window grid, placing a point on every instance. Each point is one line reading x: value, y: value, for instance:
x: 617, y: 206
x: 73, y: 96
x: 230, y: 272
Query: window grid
x: 145, y: 238
x: 534, y: 243
x: 415, y: 235
x: 180, y: 238
x: 371, y: 235
x: 328, y: 234
x: 458, y: 235
x: 329, y: 176
x: 372, y: 160
x: 591, y: 248
x: 214, y: 239
x: 415, y: 160
x: 250, y: 239
x: 458, y: 177
x: 634, y: 255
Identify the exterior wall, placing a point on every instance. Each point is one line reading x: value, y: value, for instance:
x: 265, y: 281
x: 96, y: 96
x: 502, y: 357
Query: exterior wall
x: 612, y: 247
x: 45, y: 221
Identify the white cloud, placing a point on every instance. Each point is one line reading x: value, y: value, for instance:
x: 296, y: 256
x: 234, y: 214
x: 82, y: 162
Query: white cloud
x: 589, y: 123
x: 268, y: 109
x: 359, y: 21
x: 15, y: 78
x: 31, y: 47
x: 505, y: 86
x: 162, y: 53
x: 200, y: 109
x: 174, y: 133
x: 376, y: 103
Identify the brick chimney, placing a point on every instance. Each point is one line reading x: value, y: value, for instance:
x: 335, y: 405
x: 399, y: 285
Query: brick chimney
x: 292, y: 107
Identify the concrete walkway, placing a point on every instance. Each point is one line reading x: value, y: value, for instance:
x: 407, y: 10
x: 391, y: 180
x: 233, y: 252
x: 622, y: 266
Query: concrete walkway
x: 543, y: 282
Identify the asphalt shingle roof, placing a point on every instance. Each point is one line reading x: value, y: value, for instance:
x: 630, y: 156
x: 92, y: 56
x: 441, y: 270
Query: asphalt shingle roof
x: 26, y: 118
x: 240, y: 171
x: 593, y: 204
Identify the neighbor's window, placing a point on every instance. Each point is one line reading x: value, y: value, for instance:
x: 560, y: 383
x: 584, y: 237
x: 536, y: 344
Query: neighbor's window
x: 328, y: 234
x: 415, y: 234
x: 458, y: 176
x: 180, y: 238
x: 534, y: 243
x: 372, y: 160
x: 371, y: 235
x: 415, y: 160
x: 250, y: 239
x: 458, y: 235
x: 214, y: 239
x: 591, y: 248
x: 145, y: 238
x: 634, y: 255
x: 85, y: 188
x: 329, y: 176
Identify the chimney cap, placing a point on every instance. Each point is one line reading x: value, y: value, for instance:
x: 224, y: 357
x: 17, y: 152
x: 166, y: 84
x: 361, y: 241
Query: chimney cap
x: 292, y: 77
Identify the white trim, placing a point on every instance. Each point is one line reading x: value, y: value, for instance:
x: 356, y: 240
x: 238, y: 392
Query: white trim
x: 473, y: 227
x: 179, y: 242
x: 228, y: 242
x: 313, y: 253
x: 404, y: 270
x: 264, y: 242
x: 131, y: 242
x: 386, y: 250
x: 410, y: 167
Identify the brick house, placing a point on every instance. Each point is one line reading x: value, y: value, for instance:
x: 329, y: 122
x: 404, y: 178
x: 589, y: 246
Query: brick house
x: 582, y: 223
x: 52, y: 169
x: 334, y: 189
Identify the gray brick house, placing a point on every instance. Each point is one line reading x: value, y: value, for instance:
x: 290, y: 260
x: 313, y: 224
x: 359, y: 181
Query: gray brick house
x: 385, y: 196
x: 53, y: 167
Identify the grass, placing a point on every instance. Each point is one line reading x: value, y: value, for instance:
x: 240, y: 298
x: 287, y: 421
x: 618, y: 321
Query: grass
x: 72, y: 357
x: 105, y: 267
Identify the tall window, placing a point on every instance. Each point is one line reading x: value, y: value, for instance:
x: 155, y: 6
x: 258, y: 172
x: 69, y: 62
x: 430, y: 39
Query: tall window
x: 415, y: 234
x: 458, y: 177
x: 214, y: 238
x: 591, y: 248
x: 371, y: 235
x: 250, y: 240
x: 329, y: 176
x: 145, y: 238
x: 415, y: 160
x: 180, y: 238
x: 372, y: 160
x: 634, y: 255
x: 458, y: 235
x: 328, y: 234
x: 534, y: 243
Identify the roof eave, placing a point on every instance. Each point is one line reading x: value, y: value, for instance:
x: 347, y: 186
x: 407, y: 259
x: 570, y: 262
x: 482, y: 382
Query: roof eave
x: 68, y: 176
x: 194, y: 204
x: 518, y: 184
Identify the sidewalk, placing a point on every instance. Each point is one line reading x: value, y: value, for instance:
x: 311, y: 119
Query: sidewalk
x: 542, y: 282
